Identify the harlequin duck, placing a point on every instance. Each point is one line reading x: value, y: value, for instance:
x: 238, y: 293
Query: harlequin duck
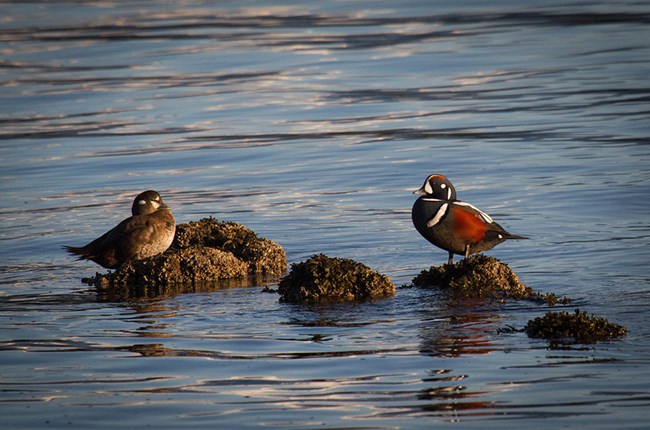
x: 148, y: 232
x: 451, y: 224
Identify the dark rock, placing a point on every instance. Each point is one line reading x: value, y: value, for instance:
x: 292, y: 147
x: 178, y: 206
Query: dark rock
x: 203, y: 252
x: 262, y: 255
x: 323, y: 279
x: 480, y: 276
x: 192, y: 265
x: 576, y: 327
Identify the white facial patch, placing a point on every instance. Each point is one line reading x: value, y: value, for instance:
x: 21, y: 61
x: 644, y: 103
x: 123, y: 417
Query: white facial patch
x: 438, y: 216
x: 483, y: 215
x: 155, y: 204
x: 142, y: 202
x: 427, y: 188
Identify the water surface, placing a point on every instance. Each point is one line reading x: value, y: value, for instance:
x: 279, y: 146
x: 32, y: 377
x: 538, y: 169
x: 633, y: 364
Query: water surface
x: 311, y: 124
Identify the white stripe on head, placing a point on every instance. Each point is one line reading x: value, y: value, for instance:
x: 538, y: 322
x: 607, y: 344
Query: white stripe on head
x: 438, y: 216
x: 448, y: 193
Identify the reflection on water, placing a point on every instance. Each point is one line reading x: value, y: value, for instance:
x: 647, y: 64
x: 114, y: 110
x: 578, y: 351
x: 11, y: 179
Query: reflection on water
x: 461, y: 335
x: 311, y: 124
x: 160, y: 292
x: 369, y: 365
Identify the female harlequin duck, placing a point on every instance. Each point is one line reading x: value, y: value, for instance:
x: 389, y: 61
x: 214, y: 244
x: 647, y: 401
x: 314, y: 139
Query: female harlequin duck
x: 451, y: 224
x: 149, y: 232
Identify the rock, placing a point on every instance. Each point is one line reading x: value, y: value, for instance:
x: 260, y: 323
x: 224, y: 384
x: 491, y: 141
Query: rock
x: 203, y: 252
x: 480, y: 276
x: 576, y: 327
x: 323, y: 279
x: 262, y: 255
x: 192, y: 265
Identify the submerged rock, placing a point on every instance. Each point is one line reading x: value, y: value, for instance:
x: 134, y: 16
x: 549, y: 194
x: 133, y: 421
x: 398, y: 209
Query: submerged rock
x: 576, y: 327
x: 207, y: 251
x: 323, y: 279
x: 480, y: 276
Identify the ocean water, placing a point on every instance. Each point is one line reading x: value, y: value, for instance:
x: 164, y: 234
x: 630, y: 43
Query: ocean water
x: 312, y: 124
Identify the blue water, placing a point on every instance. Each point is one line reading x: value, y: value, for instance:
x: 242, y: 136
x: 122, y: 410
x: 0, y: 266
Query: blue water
x: 312, y: 124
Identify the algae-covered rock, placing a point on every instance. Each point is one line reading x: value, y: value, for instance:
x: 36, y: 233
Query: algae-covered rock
x: 323, y: 279
x: 576, y: 327
x: 480, y: 276
x: 262, y: 255
x: 193, y: 265
x: 203, y: 252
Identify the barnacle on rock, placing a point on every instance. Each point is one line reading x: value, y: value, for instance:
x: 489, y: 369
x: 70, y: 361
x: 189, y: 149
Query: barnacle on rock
x: 323, y: 279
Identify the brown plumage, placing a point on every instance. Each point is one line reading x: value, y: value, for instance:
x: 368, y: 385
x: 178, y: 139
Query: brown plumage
x: 148, y: 232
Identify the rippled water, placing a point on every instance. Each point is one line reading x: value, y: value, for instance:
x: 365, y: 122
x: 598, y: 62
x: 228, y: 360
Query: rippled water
x: 311, y: 124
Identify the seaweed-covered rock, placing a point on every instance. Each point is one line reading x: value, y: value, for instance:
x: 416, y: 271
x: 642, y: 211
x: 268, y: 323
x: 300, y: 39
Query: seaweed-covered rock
x: 480, y: 276
x: 323, y: 279
x: 203, y: 252
x: 576, y: 327
x: 193, y: 265
x: 262, y: 255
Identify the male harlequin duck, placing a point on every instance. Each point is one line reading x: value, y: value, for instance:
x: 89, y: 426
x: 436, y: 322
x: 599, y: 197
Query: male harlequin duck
x: 451, y: 224
x: 149, y: 232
